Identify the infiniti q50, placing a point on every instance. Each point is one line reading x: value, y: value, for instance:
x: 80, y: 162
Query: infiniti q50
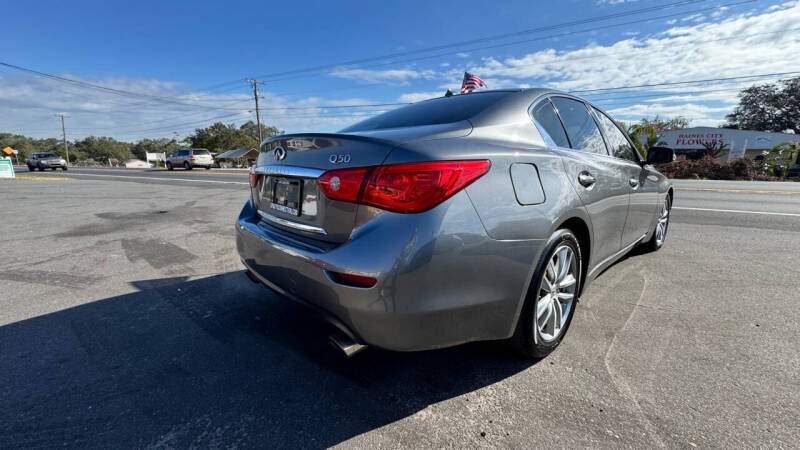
x: 467, y: 217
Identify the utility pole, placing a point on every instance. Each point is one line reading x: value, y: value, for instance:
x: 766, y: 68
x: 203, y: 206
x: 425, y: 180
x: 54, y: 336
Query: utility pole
x: 255, y: 84
x: 64, y: 134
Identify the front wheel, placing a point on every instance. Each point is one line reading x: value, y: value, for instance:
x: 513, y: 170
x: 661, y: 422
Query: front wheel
x: 31, y: 168
x: 552, y: 297
x: 41, y: 169
x: 662, y: 225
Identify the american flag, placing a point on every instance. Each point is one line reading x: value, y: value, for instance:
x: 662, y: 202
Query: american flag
x: 471, y: 82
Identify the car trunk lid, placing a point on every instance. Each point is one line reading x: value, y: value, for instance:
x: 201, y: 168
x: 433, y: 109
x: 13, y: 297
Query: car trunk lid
x: 286, y: 192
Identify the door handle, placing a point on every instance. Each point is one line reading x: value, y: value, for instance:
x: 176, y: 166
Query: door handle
x: 634, y: 183
x: 586, y: 179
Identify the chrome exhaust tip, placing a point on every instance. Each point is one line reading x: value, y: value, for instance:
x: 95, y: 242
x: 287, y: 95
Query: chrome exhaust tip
x: 346, y: 344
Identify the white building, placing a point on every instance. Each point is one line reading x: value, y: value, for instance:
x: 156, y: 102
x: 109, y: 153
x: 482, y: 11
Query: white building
x: 739, y: 142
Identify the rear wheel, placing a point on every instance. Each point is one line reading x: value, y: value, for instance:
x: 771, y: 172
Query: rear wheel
x: 53, y: 169
x: 187, y: 166
x: 41, y: 169
x: 208, y: 167
x: 552, y: 296
x: 169, y: 165
x: 64, y: 168
x: 31, y: 168
x: 662, y: 225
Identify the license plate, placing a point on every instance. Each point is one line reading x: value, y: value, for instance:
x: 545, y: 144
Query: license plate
x: 286, y: 196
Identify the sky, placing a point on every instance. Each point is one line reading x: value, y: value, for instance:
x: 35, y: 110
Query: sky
x: 132, y: 70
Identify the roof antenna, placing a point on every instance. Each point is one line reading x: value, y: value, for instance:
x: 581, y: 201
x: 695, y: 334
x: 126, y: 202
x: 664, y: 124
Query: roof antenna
x: 449, y: 93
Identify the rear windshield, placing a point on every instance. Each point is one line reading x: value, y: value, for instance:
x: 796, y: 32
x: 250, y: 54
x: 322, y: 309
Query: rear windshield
x: 431, y: 112
x: 48, y: 155
x: 200, y: 152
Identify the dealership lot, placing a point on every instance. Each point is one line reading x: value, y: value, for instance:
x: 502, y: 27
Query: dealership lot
x: 126, y: 321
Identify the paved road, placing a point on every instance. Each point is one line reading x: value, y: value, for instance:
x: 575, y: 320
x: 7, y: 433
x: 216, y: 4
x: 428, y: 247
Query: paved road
x: 126, y: 321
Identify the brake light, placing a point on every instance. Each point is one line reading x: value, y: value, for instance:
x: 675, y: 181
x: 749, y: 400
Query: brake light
x: 343, y: 184
x: 353, y: 280
x: 404, y: 188
x: 253, y: 177
x: 191, y: 158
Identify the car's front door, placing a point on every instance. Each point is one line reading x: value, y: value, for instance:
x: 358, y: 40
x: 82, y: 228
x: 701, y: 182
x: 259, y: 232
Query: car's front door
x: 595, y: 176
x: 642, y: 184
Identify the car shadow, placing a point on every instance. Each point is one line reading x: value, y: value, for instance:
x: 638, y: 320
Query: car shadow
x: 216, y: 361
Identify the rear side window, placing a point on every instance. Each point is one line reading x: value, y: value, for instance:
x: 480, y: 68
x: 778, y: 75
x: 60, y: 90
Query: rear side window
x: 548, y: 123
x: 431, y: 112
x: 581, y: 127
x: 617, y: 144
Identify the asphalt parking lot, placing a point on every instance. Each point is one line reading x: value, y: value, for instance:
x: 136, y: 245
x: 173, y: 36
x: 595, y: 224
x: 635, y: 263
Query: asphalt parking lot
x: 126, y: 321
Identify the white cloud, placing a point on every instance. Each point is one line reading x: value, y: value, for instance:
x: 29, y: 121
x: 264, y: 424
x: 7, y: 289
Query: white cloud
x: 741, y: 45
x: 28, y: 105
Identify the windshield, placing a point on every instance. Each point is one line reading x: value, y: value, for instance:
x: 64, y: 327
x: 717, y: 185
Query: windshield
x: 431, y: 112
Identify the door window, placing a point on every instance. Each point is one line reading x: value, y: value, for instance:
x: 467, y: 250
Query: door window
x: 618, y: 145
x: 581, y: 128
x: 549, y: 124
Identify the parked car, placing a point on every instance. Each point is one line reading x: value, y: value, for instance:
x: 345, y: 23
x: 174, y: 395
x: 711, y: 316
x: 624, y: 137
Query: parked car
x: 462, y: 218
x: 189, y: 158
x: 45, y: 160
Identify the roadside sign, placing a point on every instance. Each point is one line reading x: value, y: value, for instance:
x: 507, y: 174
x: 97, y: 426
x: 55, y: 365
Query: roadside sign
x: 6, y: 168
x: 9, y: 151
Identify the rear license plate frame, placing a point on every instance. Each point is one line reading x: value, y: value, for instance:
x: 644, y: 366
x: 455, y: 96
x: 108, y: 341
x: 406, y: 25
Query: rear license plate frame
x: 286, y: 195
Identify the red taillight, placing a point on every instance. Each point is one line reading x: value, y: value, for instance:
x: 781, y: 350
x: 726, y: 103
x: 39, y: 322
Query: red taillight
x: 253, y: 177
x: 405, y: 188
x: 343, y: 184
x: 191, y: 158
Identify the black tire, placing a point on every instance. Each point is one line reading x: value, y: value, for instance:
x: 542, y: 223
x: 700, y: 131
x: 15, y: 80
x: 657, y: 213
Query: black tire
x: 527, y: 339
x: 31, y: 168
x: 53, y: 168
x: 64, y: 168
x: 187, y: 166
x: 41, y: 169
x: 208, y: 167
x: 169, y: 166
x: 654, y: 244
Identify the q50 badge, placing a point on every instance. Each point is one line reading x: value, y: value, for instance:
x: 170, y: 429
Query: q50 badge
x: 339, y: 159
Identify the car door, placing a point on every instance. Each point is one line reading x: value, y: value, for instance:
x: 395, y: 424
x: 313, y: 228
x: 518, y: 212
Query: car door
x: 642, y: 182
x: 594, y: 176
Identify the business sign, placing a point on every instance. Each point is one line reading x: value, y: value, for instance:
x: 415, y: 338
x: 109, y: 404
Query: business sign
x: 696, y: 140
x: 155, y: 157
x: 6, y: 168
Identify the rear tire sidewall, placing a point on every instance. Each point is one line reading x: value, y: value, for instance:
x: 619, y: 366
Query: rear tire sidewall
x: 526, y: 337
x: 169, y: 166
x: 654, y: 245
x: 187, y: 166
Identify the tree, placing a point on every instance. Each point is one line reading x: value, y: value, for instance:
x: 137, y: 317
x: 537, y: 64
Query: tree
x: 220, y: 137
x: 646, y: 132
x: 251, y: 129
x: 103, y: 148
x: 714, y: 147
x: 768, y: 107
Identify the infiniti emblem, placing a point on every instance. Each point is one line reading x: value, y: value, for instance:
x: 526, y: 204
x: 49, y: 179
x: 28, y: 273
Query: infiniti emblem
x: 280, y: 153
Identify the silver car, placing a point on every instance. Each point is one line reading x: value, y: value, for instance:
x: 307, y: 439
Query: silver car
x: 45, y: 160
x: 189, y: 158
x: 462, y: 218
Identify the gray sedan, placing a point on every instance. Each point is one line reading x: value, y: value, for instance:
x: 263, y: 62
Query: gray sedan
x: 468, y: 217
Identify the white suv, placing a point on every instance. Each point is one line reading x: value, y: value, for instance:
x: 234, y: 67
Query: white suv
x: 190, y: 158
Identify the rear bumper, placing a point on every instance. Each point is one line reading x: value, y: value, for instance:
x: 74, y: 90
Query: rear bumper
x: 441, y: 280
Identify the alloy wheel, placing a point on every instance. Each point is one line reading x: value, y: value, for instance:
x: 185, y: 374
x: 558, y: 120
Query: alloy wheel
x: 663, y: 224
x: 556, y: 293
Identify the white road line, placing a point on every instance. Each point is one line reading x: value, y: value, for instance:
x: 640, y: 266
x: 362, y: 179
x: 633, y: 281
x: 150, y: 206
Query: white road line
x: 739, y: 211
x: 149, y: 178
